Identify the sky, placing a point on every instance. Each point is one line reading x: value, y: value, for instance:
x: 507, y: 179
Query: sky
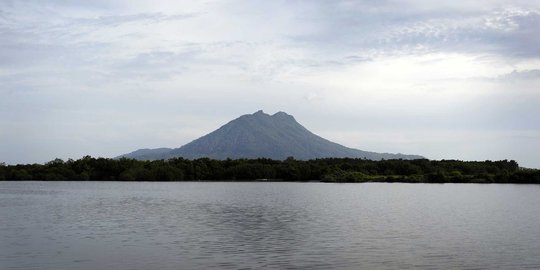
x: 444, y: 79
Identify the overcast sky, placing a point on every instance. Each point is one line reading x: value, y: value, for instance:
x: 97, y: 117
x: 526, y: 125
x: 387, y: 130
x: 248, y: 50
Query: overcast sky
x: 443, y: 79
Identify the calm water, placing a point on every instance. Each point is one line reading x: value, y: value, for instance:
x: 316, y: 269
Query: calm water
x: 115, y: 225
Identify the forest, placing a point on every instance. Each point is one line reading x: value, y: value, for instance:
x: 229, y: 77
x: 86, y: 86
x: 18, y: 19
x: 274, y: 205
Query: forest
x: 261, y: 169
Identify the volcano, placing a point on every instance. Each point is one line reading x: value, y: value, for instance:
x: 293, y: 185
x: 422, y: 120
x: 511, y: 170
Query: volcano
x: 260, y: 135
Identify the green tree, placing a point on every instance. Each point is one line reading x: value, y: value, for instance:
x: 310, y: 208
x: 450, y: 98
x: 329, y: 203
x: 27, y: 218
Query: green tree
x: 21, y: 174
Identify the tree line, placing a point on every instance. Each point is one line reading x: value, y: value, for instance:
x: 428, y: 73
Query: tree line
x: 325, y: 169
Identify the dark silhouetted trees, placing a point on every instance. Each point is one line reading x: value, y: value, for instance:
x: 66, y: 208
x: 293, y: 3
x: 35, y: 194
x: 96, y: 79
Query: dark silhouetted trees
x: 327, y: 169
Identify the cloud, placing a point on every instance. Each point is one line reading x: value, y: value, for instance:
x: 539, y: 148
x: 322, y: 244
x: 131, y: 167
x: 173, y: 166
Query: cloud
x: 390, y: 29
x: 175, y: 69
x: 114, y: 21
x: 533, y: 74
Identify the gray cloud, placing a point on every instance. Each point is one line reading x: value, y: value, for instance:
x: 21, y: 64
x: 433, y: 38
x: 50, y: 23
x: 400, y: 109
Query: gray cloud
x: 107, y: 77
x: 532, y: 74
x: 113, y: 21
x: 391, y: 27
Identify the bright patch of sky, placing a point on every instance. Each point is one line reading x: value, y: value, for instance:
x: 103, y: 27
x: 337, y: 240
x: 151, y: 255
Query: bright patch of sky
x: 453, y: 80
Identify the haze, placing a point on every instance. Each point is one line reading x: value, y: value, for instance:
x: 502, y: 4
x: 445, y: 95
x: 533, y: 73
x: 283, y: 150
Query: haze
x: 453, y: 80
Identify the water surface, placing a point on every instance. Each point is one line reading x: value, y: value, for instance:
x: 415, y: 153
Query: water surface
x: 218, y: 225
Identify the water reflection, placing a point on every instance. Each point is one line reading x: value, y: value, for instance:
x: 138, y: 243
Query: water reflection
x: 78, y: 225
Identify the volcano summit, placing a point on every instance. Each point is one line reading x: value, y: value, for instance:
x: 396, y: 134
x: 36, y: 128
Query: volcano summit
x: 260, y: 135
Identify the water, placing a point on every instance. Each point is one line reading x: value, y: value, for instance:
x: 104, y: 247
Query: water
x: 192, y: 225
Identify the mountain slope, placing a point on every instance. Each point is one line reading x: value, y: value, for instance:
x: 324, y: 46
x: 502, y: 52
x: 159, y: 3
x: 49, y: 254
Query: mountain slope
x: 257, y: 135
x: 147, y: 154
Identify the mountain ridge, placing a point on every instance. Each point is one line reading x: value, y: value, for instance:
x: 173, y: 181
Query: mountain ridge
x: 260, y: 135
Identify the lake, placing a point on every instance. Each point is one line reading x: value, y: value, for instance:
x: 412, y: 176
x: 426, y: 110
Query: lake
x: 246, y: 225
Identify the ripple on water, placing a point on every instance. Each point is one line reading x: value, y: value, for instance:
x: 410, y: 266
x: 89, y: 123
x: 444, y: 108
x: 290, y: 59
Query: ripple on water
x: 114, y: 225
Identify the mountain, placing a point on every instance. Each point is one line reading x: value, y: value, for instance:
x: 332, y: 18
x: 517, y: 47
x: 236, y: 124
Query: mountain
x: 258, y: 135
x: 148, y: 154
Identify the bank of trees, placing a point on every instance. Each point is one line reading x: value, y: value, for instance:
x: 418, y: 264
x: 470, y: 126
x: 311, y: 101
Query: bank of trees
x: 327, y: 169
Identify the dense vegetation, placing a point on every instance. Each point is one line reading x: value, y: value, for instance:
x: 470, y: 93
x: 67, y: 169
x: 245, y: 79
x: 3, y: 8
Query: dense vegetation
x: 328, y: 170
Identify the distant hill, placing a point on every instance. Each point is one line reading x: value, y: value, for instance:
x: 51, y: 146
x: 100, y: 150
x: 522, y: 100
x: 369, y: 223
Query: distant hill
x: 260, y: 135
